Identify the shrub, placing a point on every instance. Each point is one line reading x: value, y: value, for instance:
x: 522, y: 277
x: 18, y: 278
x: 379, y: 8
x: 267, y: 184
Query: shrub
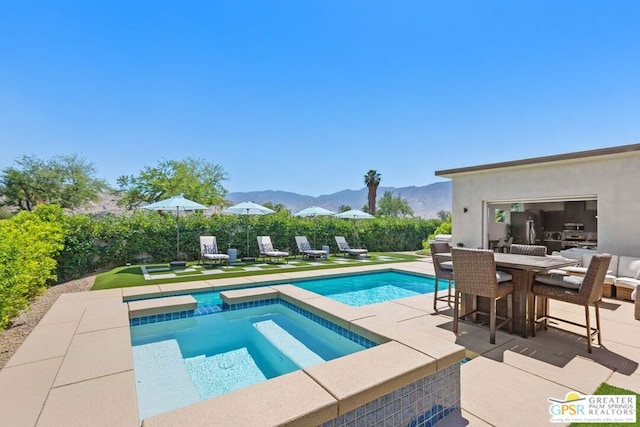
x: 93, y: 243
x: 29, y: 243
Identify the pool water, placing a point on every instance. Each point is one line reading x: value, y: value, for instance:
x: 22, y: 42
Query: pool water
x: 355, y: 290
x: 180, y: 362
x: 365, y: 289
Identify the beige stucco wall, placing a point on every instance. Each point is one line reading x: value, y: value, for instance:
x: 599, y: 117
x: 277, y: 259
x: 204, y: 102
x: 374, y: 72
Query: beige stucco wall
x: 613, y: 179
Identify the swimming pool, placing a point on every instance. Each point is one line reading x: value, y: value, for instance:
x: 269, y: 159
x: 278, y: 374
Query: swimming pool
x: 180, y: 362
x: 355, y: 290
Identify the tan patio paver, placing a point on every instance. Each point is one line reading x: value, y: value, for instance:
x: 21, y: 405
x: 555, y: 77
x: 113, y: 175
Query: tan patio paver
x: 102, y: 402
x: 382, y: 369
x: 22, y: 405
x: 502, y: 395
x: 45, y: 342
x: 103, y: 314
x: 270, y: 406
x: 96, y: 354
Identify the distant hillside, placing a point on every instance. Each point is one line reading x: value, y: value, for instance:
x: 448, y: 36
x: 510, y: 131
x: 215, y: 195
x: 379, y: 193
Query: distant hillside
x: 425, y: 201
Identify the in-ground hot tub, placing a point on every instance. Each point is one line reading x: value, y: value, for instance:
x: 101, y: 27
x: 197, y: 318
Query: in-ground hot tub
x: 179, y: 362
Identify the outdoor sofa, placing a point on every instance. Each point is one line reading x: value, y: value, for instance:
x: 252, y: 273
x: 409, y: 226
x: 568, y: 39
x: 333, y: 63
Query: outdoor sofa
x: 623, y: 275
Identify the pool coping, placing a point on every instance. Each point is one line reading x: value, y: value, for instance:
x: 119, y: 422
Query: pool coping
x: 76, y: 367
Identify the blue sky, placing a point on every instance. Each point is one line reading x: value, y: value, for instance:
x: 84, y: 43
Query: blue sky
x: 307, y: 96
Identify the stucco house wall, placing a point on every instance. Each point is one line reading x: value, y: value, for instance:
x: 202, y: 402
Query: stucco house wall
x: 614, y: 179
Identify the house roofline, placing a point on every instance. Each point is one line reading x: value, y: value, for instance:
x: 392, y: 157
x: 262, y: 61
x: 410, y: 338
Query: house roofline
x: 545, y: 159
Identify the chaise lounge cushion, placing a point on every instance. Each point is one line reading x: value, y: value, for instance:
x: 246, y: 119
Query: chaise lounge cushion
x: 305, y: 248
x: 266, y: 248
x: 209, y: 249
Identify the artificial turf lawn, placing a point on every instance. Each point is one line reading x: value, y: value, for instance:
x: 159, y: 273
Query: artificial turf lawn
x: 126, y: 276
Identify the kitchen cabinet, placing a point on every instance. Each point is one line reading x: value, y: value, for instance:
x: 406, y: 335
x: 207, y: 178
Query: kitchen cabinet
x: 554, y: 221
x: 574, y: 211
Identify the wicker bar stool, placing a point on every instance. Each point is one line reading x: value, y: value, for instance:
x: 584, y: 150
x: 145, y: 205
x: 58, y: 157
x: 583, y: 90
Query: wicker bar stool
x: 575, y: 290
x: 443, y: 270
x: 475, y: 274
x: 533, y: 250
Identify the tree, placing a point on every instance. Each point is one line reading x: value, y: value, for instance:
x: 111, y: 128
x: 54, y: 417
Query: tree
x: 444, y: 215
x: 196, y: 179
x: 68, y: 181
x: 372, y: 181
x: 394, y: 206
x: 344, y: 208
x: 278, y: 207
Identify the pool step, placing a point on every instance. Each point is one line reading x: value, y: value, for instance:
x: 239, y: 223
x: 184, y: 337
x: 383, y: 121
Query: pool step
x: 287, y: 344
x: 162, y: 380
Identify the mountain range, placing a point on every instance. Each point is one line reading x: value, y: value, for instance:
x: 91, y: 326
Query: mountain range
x: 425, y: 201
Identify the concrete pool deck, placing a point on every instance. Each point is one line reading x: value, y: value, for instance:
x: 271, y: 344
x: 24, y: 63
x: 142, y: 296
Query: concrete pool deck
x: 76, y: 368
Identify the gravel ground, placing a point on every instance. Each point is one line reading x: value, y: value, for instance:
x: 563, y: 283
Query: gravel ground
x: 23, y: 324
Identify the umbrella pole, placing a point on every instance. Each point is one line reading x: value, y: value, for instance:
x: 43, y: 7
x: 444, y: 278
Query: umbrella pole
x: 177, y: 235
x: 247, y: 255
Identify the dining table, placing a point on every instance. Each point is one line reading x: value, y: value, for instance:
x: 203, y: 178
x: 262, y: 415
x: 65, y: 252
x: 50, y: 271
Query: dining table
x: 523, y: 269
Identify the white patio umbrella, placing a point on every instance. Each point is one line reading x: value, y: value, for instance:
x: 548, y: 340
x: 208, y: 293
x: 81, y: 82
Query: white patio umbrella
x: 355, y: 215
x: 248, y: 208
x: 314, y: 211
x: 177, y: 204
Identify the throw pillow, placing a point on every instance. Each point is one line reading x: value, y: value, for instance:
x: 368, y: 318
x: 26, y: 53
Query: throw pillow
x: 305, y: 246
x: 210, y: 249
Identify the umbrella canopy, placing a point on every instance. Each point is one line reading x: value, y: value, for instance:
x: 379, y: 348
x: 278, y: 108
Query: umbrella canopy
x: 248, y: 208
x: 354, y: 214
x: 314, y: 211
x: 176, y: 204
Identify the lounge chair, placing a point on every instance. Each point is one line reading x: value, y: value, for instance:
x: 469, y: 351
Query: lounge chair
x: 267, y: 251
x: 343, y: 247
x: 209, y: 251
x: 305, y: 249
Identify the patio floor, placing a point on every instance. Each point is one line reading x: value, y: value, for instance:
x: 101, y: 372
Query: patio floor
x: 509, y: 382
x: 503, y: 385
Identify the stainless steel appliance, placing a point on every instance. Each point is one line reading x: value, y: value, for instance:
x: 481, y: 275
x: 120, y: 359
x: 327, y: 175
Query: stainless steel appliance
x: 530, y: 232
x: 573, y: 226
x: 573, y: 235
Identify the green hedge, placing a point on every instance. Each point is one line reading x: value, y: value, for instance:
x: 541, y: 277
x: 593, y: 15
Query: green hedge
x: 93, y: 243
x: 29, y: 243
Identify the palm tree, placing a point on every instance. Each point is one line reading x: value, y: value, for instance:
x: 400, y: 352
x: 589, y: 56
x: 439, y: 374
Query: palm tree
x: 372, y: 180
